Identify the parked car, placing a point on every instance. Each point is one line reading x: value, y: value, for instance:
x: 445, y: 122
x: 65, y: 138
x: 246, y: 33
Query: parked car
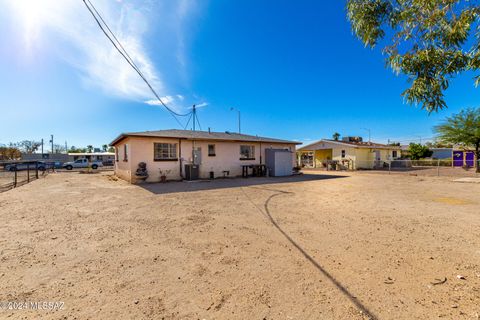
x: 54, y: 165
x: 108, y: 163
x: 24, y: 166
x: 82, y: 163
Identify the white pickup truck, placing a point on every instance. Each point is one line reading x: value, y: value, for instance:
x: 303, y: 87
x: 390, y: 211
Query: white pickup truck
x: 82, y: 163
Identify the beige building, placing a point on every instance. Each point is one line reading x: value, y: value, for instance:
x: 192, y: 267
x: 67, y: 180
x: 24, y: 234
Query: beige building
x: 349, y: 153
x: 166, y: 152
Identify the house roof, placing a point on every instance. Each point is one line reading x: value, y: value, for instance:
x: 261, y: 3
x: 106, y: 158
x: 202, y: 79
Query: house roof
x: 200, y: 135
x: 369, y: 145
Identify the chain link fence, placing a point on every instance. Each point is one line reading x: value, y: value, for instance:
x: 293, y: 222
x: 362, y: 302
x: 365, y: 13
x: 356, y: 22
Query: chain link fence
x: 17, y: 173
x: 427, y: 167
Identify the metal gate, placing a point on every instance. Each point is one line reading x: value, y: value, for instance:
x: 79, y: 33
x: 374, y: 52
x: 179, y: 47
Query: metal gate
x: 458, y: 158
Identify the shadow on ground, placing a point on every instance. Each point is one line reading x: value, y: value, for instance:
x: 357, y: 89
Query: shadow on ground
x: 203, y: 185
x: 353, y: 298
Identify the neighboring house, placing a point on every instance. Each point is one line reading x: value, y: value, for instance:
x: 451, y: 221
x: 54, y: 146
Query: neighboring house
x: 350, y: 152
x: 108, y: 158
x: 168, y: 151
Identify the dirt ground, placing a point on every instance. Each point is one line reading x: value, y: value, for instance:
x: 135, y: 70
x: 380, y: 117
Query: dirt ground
x: 420, y: 171
x: 319, y: 246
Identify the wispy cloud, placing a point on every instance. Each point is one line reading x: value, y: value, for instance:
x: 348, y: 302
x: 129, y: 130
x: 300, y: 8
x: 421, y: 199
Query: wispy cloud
x: 174, y: 102
x: 86, y: 48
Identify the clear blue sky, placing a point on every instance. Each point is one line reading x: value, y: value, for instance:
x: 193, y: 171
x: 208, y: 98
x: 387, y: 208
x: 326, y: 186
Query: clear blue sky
x: 294, y: 69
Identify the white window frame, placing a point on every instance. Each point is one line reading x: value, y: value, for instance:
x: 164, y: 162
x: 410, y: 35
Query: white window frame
x: 251, y: 152
x: 168, y: 151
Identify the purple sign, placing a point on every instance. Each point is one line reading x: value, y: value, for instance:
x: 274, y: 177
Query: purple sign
x: 458, y: 158
x: 470, y: 159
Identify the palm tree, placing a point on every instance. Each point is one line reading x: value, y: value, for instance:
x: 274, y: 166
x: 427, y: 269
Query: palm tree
x: 464, y: 129
x: 336, y: 136
x: 89, y: 148
x: 105, y: 148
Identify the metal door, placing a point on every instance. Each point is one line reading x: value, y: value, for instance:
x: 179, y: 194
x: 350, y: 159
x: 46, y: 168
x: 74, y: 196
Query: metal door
x: 458, y: 158
x: 470, y: 159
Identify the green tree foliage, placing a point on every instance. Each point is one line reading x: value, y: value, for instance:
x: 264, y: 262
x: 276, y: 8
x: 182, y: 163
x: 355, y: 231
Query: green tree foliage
x: 89, y: 148
x: 462, y: 129
x: 418, y: 151
x: 336, y: 136
x: 430, y: 41
x: 73, y: 149
x: 105, y: 147
x: 111, y: 149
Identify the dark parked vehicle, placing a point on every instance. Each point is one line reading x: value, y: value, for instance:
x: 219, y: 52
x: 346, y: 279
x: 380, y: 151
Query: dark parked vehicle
x: 108, y: 163
x: 42, y: 166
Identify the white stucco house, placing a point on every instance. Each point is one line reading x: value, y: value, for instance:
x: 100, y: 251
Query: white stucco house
x: 216, y: 154
x: 350, y: 152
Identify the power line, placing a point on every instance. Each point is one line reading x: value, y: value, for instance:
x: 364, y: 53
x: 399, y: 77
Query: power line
x: 124, y: 53
x: 198, y: 121
x: 119, y: 47
x: 185, y: 128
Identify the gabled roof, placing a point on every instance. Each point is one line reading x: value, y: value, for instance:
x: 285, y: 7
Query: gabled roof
x: 365, y: 145
x: 200, y: 135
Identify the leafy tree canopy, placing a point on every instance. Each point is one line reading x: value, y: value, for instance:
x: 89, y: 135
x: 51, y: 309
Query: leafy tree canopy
x: 462, y: 129
x: 418, y: 151
x: 429, y: 41
x: 73, y: 149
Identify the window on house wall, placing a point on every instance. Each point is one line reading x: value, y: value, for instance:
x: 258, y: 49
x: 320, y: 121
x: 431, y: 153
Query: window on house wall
x: 165, y: 152
x: 343, y: 153
x: 211, y: 150
x: 394, y: 153
x: 247, y: 152
x: 125, y: 152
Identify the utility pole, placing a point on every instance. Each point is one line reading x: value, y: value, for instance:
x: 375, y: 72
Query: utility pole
x: 194, y: 116
x: 42, y: 147
x: 369, y: 134
x: 239, y: 119
x: 51, y: 141
x: 66, y: 147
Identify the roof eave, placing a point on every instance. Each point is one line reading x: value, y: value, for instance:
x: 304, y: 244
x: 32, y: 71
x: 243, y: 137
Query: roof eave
x: 126, y: 135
